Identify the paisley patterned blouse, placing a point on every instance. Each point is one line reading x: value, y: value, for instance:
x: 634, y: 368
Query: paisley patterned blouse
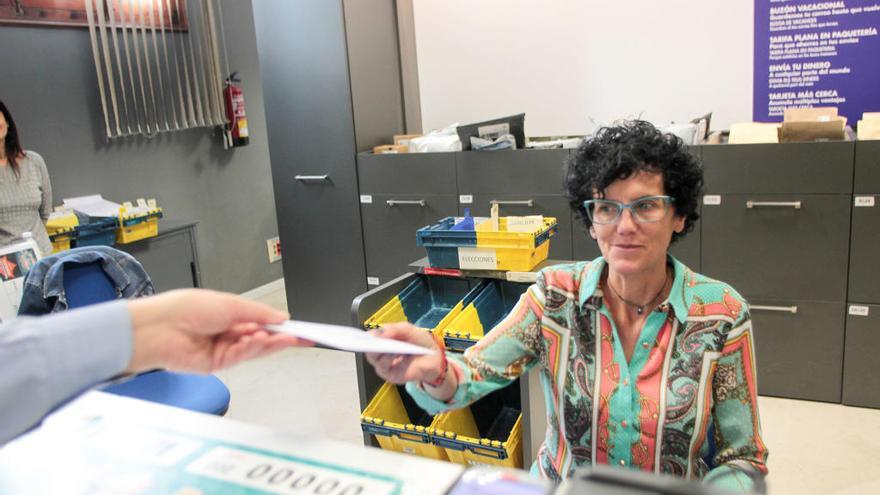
x: 685, y: 404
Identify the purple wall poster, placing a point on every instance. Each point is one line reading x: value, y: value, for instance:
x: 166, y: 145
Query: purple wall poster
x: 816, y: 54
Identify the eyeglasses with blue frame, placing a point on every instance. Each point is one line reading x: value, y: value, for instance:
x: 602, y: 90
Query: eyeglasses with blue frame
x: 649, y: 209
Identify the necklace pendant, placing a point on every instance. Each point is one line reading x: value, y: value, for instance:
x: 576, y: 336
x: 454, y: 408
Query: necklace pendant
x: 640, y: 309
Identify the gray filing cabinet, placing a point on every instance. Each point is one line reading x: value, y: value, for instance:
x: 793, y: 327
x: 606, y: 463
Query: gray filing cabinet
x: 522, y: 182
x: 399, y: 194
x: 864, y: 259
x: 861, y: 372
x: 774, y: 214
x: 171, y: 258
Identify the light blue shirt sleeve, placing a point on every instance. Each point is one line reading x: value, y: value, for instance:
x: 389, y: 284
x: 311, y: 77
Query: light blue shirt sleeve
x: 47, y: 360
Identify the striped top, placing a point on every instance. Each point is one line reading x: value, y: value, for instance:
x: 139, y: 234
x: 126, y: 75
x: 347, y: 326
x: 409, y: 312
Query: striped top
x: 25, y: 201
x: 684, y: 404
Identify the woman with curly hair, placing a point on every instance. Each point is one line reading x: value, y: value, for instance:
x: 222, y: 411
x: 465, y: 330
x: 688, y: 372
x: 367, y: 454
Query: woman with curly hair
x: 25, y: 191
x: 645, y: 364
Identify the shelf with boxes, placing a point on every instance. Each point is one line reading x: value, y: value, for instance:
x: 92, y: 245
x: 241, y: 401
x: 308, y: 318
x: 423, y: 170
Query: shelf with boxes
x: 458, y: 303
x: 791, y: 226
x: 459, y: 309
x: 68, y: 228
x: 399, y: 193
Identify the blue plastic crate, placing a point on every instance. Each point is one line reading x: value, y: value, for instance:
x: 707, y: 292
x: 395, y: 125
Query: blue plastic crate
x: 99, y: 231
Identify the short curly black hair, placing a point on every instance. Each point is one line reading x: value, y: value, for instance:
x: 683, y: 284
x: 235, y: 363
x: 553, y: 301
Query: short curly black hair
x: 617, y: 152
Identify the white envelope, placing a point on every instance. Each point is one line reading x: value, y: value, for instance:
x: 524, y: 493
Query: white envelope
x: 346, y: 338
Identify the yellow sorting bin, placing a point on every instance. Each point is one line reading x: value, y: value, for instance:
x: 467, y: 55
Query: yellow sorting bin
x: 429, y: 302
x: 468, y: 447
x: 61, y: 239
x: 400, y: 425
x: 134, y: 227
x: 61, y: 230
x: 484, y: 249
x: 493, y: 436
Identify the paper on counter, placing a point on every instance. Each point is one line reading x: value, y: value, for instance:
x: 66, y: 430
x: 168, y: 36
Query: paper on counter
x: 346, y: 338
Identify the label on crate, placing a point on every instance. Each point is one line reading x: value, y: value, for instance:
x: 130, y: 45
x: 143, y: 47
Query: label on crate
x: 372, y: 280
x: 465, y: 199
x: 529, y: 223
x: 711, y: 199
x: 864, y: 201
x: 529, y: 277
x: 366, y: 199
x: 858, y: 310
x: 477, y: 258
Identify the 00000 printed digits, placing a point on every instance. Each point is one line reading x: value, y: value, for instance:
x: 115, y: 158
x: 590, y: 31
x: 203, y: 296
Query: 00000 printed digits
x: 284, y: 476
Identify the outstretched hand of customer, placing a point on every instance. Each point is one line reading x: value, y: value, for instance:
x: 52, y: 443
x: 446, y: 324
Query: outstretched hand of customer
x: 397, y: 368
x: 202, y: 331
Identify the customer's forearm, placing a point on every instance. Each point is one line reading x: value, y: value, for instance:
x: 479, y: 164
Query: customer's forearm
x: 47, y: 360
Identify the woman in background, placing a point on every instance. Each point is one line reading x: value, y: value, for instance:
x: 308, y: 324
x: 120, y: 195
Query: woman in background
x: 25, y: 191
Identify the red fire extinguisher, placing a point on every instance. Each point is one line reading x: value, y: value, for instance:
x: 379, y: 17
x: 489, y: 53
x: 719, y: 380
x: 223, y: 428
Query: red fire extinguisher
x: 237, y: 129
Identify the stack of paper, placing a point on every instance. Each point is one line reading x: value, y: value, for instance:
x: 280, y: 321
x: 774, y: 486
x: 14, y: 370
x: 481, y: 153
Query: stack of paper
x: 94, y: 206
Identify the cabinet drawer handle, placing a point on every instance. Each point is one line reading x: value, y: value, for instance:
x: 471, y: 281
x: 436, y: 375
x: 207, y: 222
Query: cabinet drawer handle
x: 784, y: 204
x: 395, y: 202
x: 528, y: 202
x: 312, y: 177
x: 784, y: 309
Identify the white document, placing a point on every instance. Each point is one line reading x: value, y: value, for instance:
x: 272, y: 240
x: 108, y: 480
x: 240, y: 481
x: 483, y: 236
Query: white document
x: 93, y: 206
x: 346, y: 338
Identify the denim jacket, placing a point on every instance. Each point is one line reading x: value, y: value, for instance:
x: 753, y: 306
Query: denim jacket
x: 43, y: 290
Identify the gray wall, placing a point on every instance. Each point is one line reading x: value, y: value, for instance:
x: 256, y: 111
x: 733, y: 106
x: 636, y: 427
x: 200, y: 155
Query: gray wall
x: 50, y: 86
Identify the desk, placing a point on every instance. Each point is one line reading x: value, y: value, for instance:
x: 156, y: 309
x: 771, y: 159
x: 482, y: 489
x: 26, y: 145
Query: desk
x: 103, y: 444
x: 171, y: 258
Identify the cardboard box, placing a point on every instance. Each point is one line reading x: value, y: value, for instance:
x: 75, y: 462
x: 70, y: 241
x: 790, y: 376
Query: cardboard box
x: 390, y: 149
x: 869, y: 128
x: 815, y: 114
x: 754, y: 132
x: 829, y: 130
x: 403, y: 139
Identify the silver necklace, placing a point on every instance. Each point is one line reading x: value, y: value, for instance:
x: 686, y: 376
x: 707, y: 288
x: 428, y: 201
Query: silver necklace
x: 640, y: 308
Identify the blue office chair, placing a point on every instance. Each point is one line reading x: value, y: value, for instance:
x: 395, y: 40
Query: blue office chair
x: 86, y: 284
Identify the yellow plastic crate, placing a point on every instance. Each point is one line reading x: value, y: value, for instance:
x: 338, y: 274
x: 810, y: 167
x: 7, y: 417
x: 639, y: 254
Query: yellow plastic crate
x: 61, y: 240
x: 485, y: 249
x: 63, y: 223
x: 139, y: 226
x: 465, y: 445
x: 495, y: 435
x: 391, y: 418
x: 492, y: 301
x: 429, y: 302
x: 138, y: 231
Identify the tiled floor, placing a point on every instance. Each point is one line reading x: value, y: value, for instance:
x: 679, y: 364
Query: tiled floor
x: 815, y: 448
